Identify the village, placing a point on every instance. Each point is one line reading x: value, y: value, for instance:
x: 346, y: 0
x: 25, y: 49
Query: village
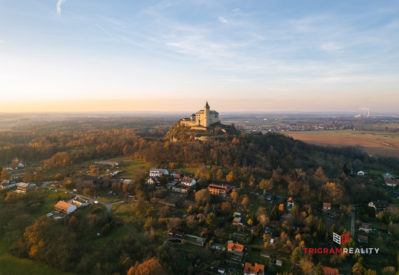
x: 242, y: 247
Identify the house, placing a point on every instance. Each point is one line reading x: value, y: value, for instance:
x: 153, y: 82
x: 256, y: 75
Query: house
x: 363, y: 239
x: 65, y: 207
x: 80, y: 202
x: 152, y: 181
x: 378, y: 205
x: 365, y: 228
x: 387, y: 176
x: 175, y: 233
x: 326, y: 206
x: 391, y: 182
x: 257, y: 269
x: 189, y: 182
x: 330, y: 271
x: 123, y: 181
x: 218, y: 189
x: 237, y: 221
x: 23, y: 187
x: 235, y: 248
x: 271, y: 241
x: 157, y: 172
x: 290, y: 203
x: 113, y: 174
x: 361, y: 173
x: 176, y: 175
x: 195, y: 240
x: 218, y: 247
x: 180, y: 189
x: 5, y: 184
x: 201, y: 216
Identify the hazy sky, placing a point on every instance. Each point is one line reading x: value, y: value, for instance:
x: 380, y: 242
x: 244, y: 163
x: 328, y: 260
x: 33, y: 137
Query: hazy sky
x: 74, y: 55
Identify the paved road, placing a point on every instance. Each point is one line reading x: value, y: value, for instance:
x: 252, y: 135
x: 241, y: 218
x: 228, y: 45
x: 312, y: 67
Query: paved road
x: 353, y: 220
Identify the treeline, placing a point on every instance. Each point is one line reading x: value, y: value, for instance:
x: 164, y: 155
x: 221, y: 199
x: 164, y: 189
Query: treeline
x: 266, y: 152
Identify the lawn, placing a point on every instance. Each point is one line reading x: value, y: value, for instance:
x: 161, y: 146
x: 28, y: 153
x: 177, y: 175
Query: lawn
x: 13, y: 265
x: 132, y: 167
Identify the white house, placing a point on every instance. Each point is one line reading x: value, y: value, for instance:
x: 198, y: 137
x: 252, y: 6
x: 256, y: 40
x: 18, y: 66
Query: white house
x: 152, y: 181
x: 189, y: 182
x: 365, y: 228
x: 23, y: 187
x: 157, y: 172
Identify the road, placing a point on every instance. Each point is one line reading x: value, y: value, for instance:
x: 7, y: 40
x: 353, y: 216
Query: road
x: 353, y: 220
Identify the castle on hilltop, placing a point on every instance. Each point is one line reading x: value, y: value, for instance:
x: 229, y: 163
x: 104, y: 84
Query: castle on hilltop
x: 202, y: 118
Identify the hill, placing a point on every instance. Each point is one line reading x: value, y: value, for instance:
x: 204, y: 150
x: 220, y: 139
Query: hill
x: 217, y: 130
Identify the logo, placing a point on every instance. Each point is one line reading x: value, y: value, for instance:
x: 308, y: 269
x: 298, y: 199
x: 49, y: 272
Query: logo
x: 341, y: 239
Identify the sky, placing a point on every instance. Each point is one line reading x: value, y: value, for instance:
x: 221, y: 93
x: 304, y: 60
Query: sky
x: 172, y: 55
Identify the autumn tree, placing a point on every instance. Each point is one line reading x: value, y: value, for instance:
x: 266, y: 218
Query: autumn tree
x: 148, y: 267
x: 4, y: 174
x: 266, y: 185
x: 225, y: 207
x: 319, y: 270
x: 296, y: 255
x: 59, y: 159
x: 230, y: 177
x: 245, y: 201
x: 333, y: 192
x: 234, y: 196
x: 319, y: 177
x: 202, y: 196
x: 219, y: 175
x: 261, y: 216
x: 306, y: 266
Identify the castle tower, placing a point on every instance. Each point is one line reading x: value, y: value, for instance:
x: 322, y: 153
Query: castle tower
x: 206, y: 114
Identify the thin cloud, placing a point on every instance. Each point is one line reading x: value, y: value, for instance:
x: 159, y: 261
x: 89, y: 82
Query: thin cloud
x: 59, y: 4
x: 223, y: 20
x: 331, y: 47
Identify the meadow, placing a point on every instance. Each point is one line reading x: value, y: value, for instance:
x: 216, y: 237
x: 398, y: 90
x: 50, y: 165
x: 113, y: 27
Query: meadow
x: 373, y: 142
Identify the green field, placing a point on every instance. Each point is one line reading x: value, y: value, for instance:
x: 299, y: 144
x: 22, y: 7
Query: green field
x: 132, y: 167
x: 13, y: 265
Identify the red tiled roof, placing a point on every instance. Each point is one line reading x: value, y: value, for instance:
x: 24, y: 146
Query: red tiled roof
x: 330, y: 271
x: 255, y: 269
x: 237, y: 247
x: 62, y: 205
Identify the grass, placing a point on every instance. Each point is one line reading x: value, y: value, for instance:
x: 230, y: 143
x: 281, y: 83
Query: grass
x: 13, y: 265
x: 373, y: 142
x: 115, y: 235
x: 51, y: 199
x: 132, y: 167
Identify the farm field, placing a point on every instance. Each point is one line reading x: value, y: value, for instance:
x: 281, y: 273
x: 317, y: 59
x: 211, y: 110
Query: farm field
x: 373, y: 142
